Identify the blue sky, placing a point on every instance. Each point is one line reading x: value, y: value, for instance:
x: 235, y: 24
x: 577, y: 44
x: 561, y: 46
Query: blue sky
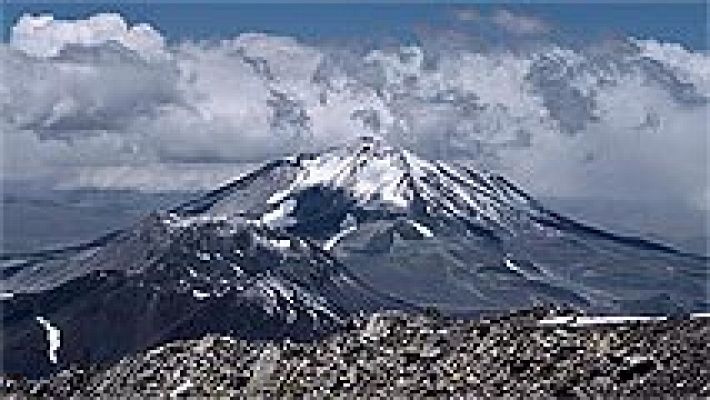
x: 684, y: 23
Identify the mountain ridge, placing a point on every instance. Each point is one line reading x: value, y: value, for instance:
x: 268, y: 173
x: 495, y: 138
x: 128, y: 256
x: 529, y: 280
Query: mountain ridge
x: 296, y: 246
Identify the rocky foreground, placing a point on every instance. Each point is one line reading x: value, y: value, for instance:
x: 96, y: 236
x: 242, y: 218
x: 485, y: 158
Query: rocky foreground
x: 394, y: 354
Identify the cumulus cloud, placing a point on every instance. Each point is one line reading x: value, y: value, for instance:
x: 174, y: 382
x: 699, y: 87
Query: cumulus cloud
x: 43, y: 36
x: 82, y: 90
x: 80, y: 98
x: 690, y: 67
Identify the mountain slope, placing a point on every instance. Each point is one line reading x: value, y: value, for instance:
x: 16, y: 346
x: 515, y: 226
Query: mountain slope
x: 172, y: 278
x: 446, y: 235
x: 296, y: 246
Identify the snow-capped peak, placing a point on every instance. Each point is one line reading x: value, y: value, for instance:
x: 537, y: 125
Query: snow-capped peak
x: 369, y: 170
x: 376, y: 175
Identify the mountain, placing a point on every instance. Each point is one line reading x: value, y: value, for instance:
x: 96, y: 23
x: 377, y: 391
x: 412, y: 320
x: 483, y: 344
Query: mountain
x: 295, y: 247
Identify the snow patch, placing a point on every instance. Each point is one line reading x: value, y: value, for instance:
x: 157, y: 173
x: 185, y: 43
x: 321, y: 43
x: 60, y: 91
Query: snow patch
x: 199, y: 295
x: 598, y: 320
x: 280, y: 195
x: 181, y: 388
x: 423, y: 230
x: 280, y: 216
x: 281, y: 243
x: 53, y: 336
x: 511, y: 266
x: 335, y: 239
x: 559, y: 320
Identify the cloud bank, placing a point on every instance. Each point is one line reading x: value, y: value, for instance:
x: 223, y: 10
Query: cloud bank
x: 623, y: 118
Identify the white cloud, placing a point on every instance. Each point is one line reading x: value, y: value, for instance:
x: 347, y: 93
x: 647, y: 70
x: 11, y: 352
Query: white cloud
x: 519, y: 23
x: 467, y: 14
x: 83, y: 91
x: 693, y: 68
x: 97, y: 94
x: 43, y: 36
x: 509, y: 21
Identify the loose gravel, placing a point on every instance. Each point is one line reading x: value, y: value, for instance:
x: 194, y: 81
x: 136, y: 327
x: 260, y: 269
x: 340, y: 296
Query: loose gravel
x: 404, y: 355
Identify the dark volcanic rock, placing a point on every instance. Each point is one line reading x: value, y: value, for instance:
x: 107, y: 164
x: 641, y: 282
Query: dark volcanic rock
x: 395, y: 354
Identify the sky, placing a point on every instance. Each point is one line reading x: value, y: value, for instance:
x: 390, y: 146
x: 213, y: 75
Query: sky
x: 679, y: 22
x: 599, y: 100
